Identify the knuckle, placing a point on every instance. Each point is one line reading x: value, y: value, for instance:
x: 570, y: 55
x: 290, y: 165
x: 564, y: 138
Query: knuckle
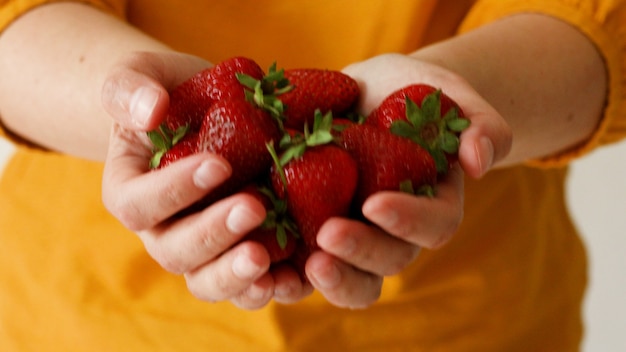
x: 370, y: 296
x: 216, y: 282
x: 447, y: 233
x: 126, y: 213
x: 402, y: 259
x: 250, y: 300
x: 172, y: 194
x: 198, y: 292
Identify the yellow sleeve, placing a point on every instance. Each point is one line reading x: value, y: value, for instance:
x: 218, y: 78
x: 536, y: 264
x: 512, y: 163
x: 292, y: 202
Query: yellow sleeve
x: 12, y: 9
x: 604, y: 23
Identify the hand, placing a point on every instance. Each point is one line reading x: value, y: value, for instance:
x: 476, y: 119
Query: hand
x: 355, y: 258
x: 205, y: 247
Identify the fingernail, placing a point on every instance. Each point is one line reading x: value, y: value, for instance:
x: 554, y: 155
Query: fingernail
x: 244, y: 268
x: 242, y: 219
x: 384, y: 217
x: 142, y: 103
x: 210, y: 173
x: 485, y: 154
x: 255, y: 292
x: 282, y: 291
x: 328, y: 278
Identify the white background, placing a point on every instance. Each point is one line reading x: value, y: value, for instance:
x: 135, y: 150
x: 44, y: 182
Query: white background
x: 597, y: 198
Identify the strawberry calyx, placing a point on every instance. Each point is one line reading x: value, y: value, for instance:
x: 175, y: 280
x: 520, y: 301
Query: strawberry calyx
x: 427, y: 190
x: 264, y: 92
x: 277, y: 218
x: 439, y: 135
x: 294, y: 146
x: 163, y: 139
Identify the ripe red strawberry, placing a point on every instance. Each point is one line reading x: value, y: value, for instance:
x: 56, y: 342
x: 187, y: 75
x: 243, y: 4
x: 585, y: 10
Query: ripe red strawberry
x: 298, y: 259
x: 187, y: 146
x: 190, y: 100
x: 278, y: 232
x: 387, y: 162
x: 313, y: 89
x: 239, y: 132
x: 170, y: 146
x: 425, y: 115
x: 317, y: 178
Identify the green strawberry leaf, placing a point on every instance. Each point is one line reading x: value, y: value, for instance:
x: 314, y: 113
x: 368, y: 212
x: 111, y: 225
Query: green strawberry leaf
x: 179, y: 134
x: 406, y: 186
x: 293, y: 152
x: 449, y: 142
x: 426, y: 190
x: 281, y: 236
x: 264, y: 93
x: 414, y: 113
x: 155, y: 161
x: 322, y: 127
x: 163, y: 139
x: 158, y: 140
x: 458, y: 124
x: 403, y: 129
x: 247, y: 81
x: 441, y: 162
x: 425, y: 126
x: 431, y: 105
x: 319, y: 138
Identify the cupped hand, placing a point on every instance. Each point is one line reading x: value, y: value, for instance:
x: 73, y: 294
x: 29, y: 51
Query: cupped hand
x: 205, y: 246
x: 355, y: 257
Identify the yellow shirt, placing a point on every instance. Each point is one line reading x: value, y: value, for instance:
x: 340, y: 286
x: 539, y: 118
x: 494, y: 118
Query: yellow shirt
x: 513, y: 278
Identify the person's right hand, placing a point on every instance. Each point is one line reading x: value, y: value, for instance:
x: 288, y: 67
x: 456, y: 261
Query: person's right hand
x: 204, y: 246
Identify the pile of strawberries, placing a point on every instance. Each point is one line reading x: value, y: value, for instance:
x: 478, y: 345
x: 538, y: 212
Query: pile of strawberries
x: 295, y: 142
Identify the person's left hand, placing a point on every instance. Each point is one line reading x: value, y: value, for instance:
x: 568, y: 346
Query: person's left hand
x: 355, y: 257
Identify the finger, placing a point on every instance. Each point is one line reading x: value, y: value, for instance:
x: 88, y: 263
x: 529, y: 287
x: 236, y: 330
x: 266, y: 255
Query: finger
x: 427, y: 222
x: 486, y: 142
x: 142, y: 199
x: 231, y: 274
x: 183, y: 245
x: 288, y: 286
x: 366, y: 247
x: 257, y: 295
x: 342, y: 284
x: 135, y: 93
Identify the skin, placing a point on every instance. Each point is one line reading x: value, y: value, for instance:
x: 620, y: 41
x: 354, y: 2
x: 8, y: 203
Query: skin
x: 117, y: 80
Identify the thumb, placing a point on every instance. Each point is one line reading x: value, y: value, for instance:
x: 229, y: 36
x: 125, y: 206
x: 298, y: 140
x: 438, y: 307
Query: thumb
x: 135, y: 92
x: 485, y: 143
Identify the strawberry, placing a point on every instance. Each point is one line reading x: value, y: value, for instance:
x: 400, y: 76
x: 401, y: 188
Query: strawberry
x: 298, y: 259
x: 233, y: 79
x: 316, y: 177
x: 239, y: 132
x: 387, y: 162
x: 326, y: 90
x: 177, y: 150
x: 190, y: 100
x: 278, y: 233
x: 425, y: 115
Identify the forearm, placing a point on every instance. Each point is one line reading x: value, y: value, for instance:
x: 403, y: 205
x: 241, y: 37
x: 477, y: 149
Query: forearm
x: 545, y: 77
x: 53, y: 62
